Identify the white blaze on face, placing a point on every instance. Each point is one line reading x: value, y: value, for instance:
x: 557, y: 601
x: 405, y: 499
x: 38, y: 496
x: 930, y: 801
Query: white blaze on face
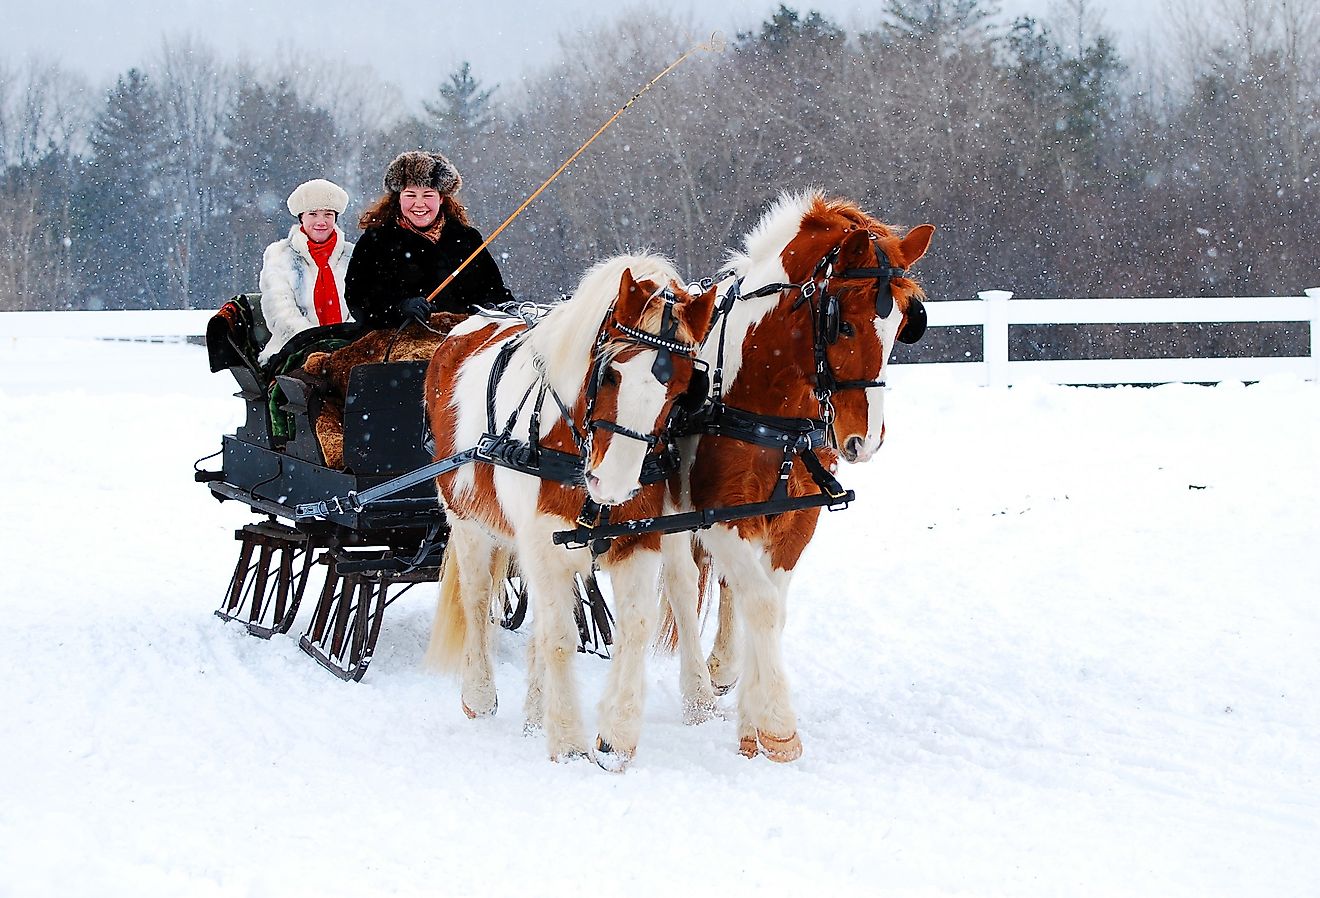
x: 641, y: 397
x: 886, y: 331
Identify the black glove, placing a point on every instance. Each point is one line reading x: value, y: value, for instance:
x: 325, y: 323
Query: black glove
x: 416, y: 307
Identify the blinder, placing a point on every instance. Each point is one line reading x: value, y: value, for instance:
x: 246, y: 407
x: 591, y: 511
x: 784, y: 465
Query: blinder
x: 663, y: 366
x: 829, y: 317
x: 914, y: 325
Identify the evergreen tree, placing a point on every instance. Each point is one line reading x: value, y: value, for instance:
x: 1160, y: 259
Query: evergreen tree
x: 786, y: 29
x: 462, y: 112
x: 1077, y: 92
x: 123, y: 222
x: 940, y: 25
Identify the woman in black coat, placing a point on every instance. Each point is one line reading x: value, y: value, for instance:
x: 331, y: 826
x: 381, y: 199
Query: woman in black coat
x: 413, y: 238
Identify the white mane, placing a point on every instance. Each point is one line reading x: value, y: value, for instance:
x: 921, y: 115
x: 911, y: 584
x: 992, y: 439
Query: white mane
x: 760, y: 263
x: 563, y: 338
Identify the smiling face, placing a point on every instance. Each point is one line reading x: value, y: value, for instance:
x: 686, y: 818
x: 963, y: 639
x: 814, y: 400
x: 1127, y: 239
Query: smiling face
x: 420, y: 205
x: 318, y: 224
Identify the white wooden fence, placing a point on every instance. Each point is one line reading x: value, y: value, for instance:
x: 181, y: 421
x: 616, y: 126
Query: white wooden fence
x: 995, y: 311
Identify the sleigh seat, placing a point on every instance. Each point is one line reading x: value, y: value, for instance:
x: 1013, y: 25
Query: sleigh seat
x: 235, y: 337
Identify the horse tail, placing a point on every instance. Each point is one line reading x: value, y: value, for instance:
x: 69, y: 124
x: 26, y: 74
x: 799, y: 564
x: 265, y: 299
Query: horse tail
x: 445, y: 651
x: 666, y: 637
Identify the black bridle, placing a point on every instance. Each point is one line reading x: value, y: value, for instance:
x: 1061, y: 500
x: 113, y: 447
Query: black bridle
x: 827, y: 320
x: 827, y: 316
x: 665, y: 343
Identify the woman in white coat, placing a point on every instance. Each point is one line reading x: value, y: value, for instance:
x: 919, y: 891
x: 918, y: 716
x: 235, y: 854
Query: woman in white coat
x: 302, y: 276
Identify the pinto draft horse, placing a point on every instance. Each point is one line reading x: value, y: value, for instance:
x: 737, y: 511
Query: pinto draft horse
x: 606, y: 367
x: 819, y: 296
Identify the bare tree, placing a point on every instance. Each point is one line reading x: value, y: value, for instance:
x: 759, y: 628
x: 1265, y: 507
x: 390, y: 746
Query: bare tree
x: 43, y: 126
x: 197, y: 90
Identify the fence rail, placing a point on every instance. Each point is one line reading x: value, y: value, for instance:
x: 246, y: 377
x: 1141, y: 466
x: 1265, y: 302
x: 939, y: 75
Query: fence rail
x: 132, y: 324
x: 995, y: 311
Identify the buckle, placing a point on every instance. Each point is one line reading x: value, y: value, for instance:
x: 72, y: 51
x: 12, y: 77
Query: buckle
x: 485, y: 447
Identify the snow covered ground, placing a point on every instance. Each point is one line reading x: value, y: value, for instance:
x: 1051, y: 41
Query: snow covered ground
x: 1067, y: 643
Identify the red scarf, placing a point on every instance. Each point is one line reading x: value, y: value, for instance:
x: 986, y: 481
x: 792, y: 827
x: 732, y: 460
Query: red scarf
x: 325, y: 295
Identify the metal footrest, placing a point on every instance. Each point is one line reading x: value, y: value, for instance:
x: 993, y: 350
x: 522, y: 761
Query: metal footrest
x: 346, y: 624
x: 268, y: 582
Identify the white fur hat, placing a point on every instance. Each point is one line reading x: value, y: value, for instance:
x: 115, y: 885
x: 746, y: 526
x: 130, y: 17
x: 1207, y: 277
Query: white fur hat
x: 317, y: 194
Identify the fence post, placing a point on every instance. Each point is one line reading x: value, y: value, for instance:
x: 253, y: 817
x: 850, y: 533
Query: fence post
x: 994, y: 336
x: 1314, y: 293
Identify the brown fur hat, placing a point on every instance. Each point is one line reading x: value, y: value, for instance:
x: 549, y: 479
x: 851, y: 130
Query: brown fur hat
x: 419, y: 169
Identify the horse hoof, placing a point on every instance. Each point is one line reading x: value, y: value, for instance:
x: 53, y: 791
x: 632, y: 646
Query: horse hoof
x: 567, y: 755
x: 473, y: 715
x: 713, y: 670
x: 747, y: 747
x: 610, y: 759
x: 780, y: 749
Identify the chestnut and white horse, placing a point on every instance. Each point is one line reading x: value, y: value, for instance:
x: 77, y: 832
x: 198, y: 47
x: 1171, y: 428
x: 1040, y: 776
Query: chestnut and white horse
x: 605, y: 367
x: 814, y: 347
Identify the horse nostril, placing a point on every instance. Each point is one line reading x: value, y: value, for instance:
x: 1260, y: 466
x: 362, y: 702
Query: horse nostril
x: 854, y: 446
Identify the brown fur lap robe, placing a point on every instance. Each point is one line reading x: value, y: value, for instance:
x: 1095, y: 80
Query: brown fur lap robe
x: 330, y: 371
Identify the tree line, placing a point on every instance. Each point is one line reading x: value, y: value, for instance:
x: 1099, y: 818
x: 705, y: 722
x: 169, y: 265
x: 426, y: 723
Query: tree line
x: 1050, y: 164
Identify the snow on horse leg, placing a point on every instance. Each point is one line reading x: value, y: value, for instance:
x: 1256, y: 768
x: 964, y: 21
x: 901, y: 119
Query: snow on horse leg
x: 765, y: 710
x: 634, y: 573
x: 550, y: 573
x: 682, y: 590
x: 479, y: 552
x: 534, y: 702
x: 722, y: 663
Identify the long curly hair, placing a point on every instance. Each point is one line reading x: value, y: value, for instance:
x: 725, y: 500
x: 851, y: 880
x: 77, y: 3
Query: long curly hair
x: 387, y: 209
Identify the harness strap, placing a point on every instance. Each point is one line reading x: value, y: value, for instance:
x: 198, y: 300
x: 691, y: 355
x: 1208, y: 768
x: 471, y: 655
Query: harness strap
x: 821, y: 475
x: 603, y: 424
x: 704, y: 519
x: 497, y: 370
x: 773, y: 431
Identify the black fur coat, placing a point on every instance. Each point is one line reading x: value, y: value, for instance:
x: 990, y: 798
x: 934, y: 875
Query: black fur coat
x: 391, y: 263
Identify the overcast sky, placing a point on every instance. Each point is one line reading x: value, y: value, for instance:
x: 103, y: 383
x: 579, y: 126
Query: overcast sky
x: 412, y: 44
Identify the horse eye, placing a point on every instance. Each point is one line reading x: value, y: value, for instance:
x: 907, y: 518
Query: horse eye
x: 610, y: 377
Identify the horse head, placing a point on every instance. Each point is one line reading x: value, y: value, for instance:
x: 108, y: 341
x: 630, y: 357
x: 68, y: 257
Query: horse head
x: 851, y: 275
x: 645, y: 363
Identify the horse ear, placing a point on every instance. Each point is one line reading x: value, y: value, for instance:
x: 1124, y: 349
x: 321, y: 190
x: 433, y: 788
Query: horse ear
x: 854, y: 244
x: 629, y: 305
x: 697, y: 313
x: 915, y: 243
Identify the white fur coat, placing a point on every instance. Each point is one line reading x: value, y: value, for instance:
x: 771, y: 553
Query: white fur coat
x: 288, y: 278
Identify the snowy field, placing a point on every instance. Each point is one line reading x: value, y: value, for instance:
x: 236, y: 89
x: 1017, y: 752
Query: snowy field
x: 1067, y: 643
